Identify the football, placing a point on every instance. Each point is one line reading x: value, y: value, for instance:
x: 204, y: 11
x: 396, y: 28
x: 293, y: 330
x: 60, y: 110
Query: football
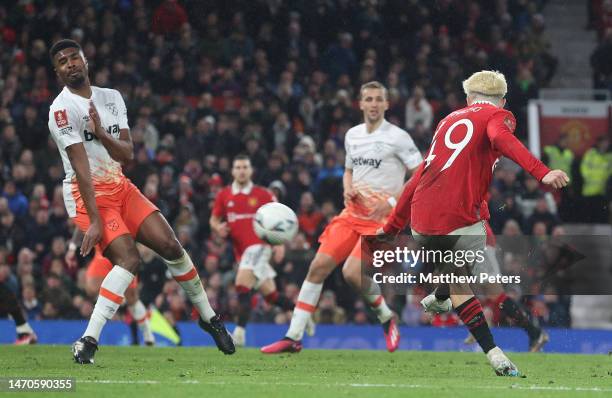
x: 275, y: 223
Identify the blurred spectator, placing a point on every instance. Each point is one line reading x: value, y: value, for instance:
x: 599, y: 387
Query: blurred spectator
x: 309, y: 216
x: 340, y: 57
x: 168, y: 18
x: 531, y: 193
x: 17, y: 201
x: 559, y: 155
x: 418, y: 110
x: 328, y: 311
x: 30, y: 302
x: 152, y: 276
x: 504, y: 210
x: 297, y: 259
x: 328, y: 182
x: 601, y: 62
x: 541, y: 214
x: 596, y: 169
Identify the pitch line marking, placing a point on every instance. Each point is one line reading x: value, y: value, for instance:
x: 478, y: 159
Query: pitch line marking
x: 354, y: 385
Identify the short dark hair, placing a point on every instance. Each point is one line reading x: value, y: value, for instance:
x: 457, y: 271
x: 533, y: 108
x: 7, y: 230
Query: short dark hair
x: 242, y: 156
x: 62, y: 45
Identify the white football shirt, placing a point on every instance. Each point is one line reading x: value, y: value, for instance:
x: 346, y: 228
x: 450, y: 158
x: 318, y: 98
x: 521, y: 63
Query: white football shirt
x: 69, y: 124
x: 379, y: 161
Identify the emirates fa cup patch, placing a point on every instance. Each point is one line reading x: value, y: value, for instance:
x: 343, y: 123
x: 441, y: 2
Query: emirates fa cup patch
x: 509, y: 123
x: 61, y: 119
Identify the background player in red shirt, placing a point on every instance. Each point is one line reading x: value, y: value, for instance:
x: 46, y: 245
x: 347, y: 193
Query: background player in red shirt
x: 458, y: 168
x: 232, y: 216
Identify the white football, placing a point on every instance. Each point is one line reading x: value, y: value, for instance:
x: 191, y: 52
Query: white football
x: 275, y: 223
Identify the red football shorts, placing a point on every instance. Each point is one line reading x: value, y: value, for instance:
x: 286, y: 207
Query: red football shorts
x: 121, y: 214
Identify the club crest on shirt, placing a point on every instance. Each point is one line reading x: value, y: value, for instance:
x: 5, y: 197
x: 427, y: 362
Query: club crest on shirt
x: 252, y: 202
x: 112, y: 108
x: 113, y: 225
x: 61, y: 119
x: 230, y: 203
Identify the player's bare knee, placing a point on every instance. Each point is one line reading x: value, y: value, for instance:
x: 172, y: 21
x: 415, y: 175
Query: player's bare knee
x: 130, y: 261
x: 351, y: 276
x: 170, y: 249
x: 319, y: 269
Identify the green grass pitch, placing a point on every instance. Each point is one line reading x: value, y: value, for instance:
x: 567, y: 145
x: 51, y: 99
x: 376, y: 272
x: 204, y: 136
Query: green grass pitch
x: 205, y: 372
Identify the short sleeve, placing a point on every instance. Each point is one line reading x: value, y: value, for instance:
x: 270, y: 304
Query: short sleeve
x: 407, y: 151
x: 123, y: 119
x: 219, y: 207
x: 64, y: 126
x: 348, y: 159
x: 269, y: 196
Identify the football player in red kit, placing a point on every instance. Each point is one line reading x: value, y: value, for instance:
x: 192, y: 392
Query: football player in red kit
x: 458, y: 168
x: 232, y: 216
x: 507, y: 306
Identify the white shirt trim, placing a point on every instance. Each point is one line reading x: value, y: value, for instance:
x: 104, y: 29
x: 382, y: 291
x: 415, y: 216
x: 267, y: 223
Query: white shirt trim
x: 245, y: 190
x: 484, y: 102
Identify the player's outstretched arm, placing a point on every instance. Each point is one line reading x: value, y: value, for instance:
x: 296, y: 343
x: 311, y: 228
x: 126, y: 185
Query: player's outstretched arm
x: 121, y: 150
x: 500, y: 130
x: 80, y: 164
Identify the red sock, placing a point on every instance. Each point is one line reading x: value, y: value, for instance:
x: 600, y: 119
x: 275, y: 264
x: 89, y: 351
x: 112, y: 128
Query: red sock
x: 471, y: 314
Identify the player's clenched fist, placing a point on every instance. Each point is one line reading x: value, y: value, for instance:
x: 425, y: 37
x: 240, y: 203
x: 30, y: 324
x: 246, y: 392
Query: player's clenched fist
x: 556, y: 179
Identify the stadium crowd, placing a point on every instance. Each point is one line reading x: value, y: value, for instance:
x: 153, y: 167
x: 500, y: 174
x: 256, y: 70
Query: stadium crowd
x: 204, y: 81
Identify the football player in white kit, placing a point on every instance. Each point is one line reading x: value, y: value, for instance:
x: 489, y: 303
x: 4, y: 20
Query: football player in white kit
x: 378, y: 154
x: 90, y: 127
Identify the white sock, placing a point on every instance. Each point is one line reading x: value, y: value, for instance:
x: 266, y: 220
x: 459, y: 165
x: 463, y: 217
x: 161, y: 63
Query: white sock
x: 110, y: 298
x: 25, y: 328
x: 187, y: 276
x: 379, y: 305
x: 377, y: 302
x: 139, y: 313
x: 305, y: 306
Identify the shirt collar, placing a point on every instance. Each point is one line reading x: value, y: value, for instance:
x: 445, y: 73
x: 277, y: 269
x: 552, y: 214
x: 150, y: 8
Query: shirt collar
x: 382, y: 126
x: 483, y: 102
x: 70, y: 93
x: 245, y: 190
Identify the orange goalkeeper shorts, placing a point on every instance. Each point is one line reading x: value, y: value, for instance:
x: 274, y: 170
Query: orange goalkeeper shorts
x: 121, y: 214
x: 342, y: 237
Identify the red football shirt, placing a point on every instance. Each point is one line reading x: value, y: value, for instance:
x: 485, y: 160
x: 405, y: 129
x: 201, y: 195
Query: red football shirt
x: 447, y: 190
x: 238, y: 208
